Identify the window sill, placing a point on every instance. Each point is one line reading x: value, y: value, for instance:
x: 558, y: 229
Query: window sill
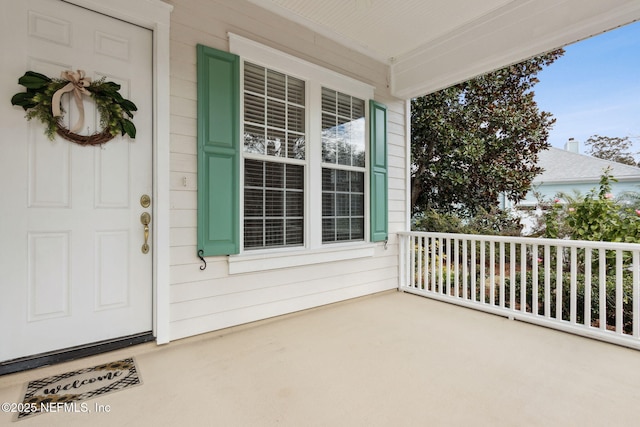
x: 248, y: 263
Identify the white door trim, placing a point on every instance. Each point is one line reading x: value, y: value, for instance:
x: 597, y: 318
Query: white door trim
x: 156, y: 16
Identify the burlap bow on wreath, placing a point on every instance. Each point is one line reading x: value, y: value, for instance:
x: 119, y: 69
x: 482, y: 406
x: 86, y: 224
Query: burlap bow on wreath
x: 42, y: 101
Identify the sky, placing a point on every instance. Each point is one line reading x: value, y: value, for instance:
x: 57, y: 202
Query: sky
x: 594, y: 88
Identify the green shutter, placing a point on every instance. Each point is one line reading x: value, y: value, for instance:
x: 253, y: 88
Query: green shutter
x: 378, y: 171
x: 218, y: 152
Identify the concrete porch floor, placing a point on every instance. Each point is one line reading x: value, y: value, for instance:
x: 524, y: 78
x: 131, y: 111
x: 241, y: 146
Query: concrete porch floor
x: 390, y: 359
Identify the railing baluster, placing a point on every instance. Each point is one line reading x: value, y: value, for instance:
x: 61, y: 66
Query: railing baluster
x: 534, y: 279
x: 424, y: 242
x: 483, y: 262
x: 587, y: 287
x: 492, y: 273
x: 403, y: 261
x: 412, y: 257
x: 602, y: 288
x: 636, y: 293
x: 512, y: 276
x: 619, y: 291
x: 418, y: 264
x: 434, y: 258
x: 473, y: 271
x: 547, y: 281
x: 425, y: 261
x: 523, y: 277
x: 441, y: 265
x: 420, y: 257
x: 425, y: 268
x: 559, y: 284
x: 456, y: 267
x: 429, y: 255
x: 573, y: 274
x: 465, y: 270
x: 502, y: 261
x: 448, y: 256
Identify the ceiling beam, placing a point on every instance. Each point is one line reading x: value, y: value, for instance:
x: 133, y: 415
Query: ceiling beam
x: 513, y: 33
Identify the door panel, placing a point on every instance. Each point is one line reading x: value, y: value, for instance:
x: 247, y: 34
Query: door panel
x: 71, y: 267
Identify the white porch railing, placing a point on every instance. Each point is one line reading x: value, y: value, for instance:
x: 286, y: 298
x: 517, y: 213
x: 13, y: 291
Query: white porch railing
x: 586, y: 288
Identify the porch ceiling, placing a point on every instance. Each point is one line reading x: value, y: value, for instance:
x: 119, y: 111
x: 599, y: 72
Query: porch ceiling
x: 432, y: 44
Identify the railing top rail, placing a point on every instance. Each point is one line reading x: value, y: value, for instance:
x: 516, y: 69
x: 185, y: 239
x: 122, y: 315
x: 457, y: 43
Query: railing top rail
x: 528, y: 240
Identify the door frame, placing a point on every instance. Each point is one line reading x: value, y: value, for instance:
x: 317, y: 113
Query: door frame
x: 155, y: 15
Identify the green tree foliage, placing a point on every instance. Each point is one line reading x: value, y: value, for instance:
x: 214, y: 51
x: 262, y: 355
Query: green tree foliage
x: 615, y: 149
x: 478, y: 139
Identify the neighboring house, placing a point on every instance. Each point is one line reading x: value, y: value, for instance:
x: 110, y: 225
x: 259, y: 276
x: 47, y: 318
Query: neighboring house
x: 273, y: 140
x: 567, y: 171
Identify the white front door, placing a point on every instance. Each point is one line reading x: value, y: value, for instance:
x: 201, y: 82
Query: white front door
x: 72, y: 271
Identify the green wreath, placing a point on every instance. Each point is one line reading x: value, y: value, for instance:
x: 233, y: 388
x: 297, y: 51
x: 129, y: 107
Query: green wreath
x: 42, y: 101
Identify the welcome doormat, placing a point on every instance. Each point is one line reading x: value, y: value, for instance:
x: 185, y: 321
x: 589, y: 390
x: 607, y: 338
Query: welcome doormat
x: 66, y: 392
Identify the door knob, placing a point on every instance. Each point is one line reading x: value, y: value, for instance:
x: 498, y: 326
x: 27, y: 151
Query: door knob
x: 145, y: 219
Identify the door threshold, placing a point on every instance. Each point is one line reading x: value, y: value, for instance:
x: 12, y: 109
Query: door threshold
x: 73, y: 353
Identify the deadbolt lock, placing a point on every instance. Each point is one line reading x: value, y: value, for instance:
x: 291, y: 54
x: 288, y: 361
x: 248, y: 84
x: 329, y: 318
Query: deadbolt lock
x: 145, y: 201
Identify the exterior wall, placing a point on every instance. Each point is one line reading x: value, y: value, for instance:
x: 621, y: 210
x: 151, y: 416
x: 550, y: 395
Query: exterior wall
x: 202, y: 301
x: 549, y: 191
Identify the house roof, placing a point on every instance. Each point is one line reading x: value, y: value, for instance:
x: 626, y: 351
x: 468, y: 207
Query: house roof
x: 433, y: 44
x: 562, y: 166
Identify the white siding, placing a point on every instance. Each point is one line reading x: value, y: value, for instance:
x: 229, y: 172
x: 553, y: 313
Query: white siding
x: 208, y: 300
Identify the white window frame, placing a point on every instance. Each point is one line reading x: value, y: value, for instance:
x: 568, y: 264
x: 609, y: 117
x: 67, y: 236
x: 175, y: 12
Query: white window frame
x: 315, y: 77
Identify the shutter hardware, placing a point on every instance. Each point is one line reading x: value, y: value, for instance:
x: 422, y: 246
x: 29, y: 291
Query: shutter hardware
x: 200, y: 253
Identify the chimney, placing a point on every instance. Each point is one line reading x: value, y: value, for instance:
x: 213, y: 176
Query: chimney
x: 572, y: 145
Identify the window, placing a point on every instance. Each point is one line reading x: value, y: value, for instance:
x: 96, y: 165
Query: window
x: 289, y: 155
x: 274, y: 129
x: 275, y: 161
x: 343, y: 171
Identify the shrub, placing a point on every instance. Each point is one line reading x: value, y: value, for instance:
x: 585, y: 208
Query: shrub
x: 610, y: 297
x: 492, y: 222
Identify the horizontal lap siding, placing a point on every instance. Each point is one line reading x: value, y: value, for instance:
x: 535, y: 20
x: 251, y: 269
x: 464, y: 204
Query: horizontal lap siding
x: 192, y: 290
x: 239, y: 291
x: 208, y: 300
